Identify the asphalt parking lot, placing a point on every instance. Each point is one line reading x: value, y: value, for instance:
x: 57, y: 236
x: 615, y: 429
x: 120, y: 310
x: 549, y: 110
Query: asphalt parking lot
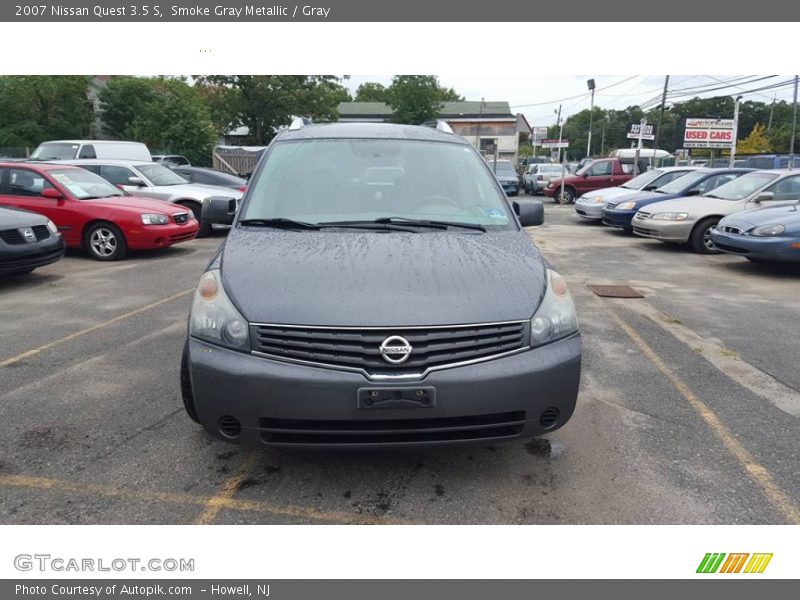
x: 688, y: 411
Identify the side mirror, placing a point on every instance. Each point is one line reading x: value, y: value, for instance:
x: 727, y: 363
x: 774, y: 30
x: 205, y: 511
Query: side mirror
x: 765, y: 197
x: 530, y: 213
x: 692, y: 193
x: 585, y: 174
x: 52, y: 194
x: 136, y: 181
x: 218, y: 209
x: 650, y: 188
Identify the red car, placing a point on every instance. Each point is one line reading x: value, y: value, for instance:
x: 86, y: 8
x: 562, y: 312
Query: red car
x: 93, y: 214
x: 598, y: 174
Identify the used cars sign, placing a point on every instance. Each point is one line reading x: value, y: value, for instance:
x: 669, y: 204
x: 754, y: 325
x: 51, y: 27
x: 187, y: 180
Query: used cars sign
x: 708, y: 133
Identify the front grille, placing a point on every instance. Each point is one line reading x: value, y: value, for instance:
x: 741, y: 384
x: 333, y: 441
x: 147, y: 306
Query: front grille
x: 643, y: 231
x: 359, y: 348
x: 391, y: 431
x: 729, y: 229
x: 181, y: 218
x: 13, y: 236
x: 732, y: 249
x: 641, y: 216
x: 181, y: 237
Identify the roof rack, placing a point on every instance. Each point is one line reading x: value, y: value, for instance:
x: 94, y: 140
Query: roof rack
x: 299, y: 123
x: 439, y: 125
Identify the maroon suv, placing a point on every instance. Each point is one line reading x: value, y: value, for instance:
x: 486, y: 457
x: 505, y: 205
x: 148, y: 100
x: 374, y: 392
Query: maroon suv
x: 598, y: 174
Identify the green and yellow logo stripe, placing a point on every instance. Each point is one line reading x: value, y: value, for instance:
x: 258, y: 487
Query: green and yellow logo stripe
x: 737, y: 562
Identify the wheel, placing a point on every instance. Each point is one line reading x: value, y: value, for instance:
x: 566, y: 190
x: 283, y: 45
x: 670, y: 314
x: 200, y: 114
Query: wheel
x: 205, y: 228
x: 186, y: 386
x: 105, y: 241
x: 700, y: 240
x: 568, y: 197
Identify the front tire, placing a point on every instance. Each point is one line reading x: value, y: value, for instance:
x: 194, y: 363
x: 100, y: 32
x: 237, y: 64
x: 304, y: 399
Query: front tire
x: 105, y: 241
x: 568, y: 197
x: 186, y: 386
x: 700, y: 240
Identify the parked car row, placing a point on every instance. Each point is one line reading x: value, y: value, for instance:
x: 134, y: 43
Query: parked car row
x: 105, y: 197
x: 750, y: 213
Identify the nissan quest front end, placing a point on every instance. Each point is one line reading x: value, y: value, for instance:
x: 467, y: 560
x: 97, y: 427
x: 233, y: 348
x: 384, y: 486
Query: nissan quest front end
x: 378, y: 289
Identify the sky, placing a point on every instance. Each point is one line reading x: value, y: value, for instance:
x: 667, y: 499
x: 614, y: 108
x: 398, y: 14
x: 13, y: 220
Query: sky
x: 537, y: 97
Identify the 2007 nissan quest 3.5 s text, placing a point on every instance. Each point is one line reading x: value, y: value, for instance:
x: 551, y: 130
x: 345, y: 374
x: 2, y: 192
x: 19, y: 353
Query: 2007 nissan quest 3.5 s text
x: 377, y: 289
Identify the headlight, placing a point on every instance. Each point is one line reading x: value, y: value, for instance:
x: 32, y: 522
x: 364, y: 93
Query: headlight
x: 556, y: 317
x: 768, y: 230
x: 595, y: 200
x: 670, y: 216
x: 52, y: 226
x: 214, y: 318
x: 624, y: 205
x: 154, y: 219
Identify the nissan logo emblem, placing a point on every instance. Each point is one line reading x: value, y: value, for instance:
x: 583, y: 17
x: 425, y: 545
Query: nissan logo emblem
x: 395, y: 349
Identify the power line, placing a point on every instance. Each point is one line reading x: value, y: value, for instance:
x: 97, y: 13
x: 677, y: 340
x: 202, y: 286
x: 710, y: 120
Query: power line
x: 584, y: 95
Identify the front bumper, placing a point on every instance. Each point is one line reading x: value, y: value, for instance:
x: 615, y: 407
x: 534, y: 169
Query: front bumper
x: 161, y: 236
x: 21, y: 257
x: 666, y: 231
x: 618, y: 218
x: 588, y: 210
x: 779, y: 249
x: 284, y: 404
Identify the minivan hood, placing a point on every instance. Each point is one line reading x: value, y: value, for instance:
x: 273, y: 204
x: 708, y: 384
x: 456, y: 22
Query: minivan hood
x: 375, y: 279
x: 12, y: 218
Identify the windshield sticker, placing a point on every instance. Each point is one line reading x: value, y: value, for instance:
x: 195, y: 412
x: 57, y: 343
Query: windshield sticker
x: 494, y: 213
x: 61, y: 178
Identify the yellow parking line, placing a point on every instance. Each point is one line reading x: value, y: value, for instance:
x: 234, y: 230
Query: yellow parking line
x: 782, y: 501
x: 253, y: 506
x: 77, y: 334
x: 226, y: 492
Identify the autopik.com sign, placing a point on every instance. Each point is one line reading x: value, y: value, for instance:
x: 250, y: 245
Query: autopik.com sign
x: 708, y: 133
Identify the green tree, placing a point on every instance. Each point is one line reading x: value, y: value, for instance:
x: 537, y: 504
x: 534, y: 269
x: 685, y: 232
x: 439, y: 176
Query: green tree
x: 264, y: 103
x: 35, y: 108
x: 166, y: 113
x: 417, y: 98
x: 371, y: 92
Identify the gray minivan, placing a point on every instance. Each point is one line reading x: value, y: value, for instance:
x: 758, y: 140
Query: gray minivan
x: 377, y: 288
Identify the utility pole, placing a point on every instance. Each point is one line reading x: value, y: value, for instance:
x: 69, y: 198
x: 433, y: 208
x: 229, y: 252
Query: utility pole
x: 661, y: 116
x: 794, y: 125
x: 562, y: 157
x: 642, y: 124
x: 478, y: 134
x: 603, y: 138
x: 771, y: 111
x: 590, y: 84
x: 735, y: 131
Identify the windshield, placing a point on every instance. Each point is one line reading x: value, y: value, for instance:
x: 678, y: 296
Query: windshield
x: 685, y: 182
x: 332, y: 180
x: 503, y: 167
x: 743, y: 186
x: 84, y: 185
x: 51, y: 151
x: 642, y: 180
x: 160, y: 175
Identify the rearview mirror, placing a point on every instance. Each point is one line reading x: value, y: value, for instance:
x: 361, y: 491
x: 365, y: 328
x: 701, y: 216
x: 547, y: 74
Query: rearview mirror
x: 52, y: 193
x: 530, y: 213
x: 218, y: 209
x: 136, y: 181
x: 765, y: 197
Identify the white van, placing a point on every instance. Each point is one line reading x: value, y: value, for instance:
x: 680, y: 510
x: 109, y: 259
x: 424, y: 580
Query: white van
x: 72, y: 149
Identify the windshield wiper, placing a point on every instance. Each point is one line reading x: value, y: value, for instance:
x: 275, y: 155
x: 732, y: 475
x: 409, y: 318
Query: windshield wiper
x: 278, y: 223
x: 713, y: 196
x: 430, y: 224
